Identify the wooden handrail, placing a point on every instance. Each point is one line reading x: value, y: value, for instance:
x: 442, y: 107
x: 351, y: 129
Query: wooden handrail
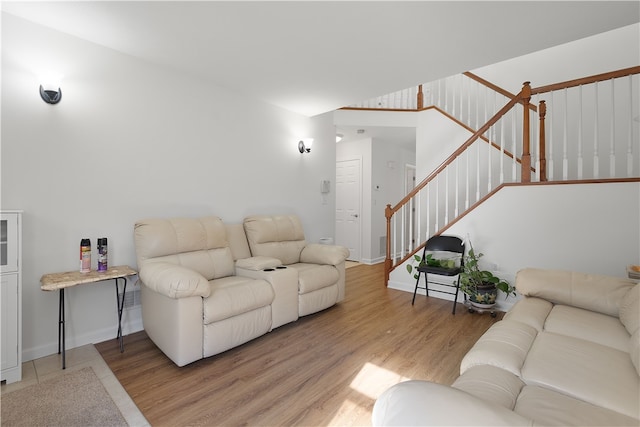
x: 586, y: 80
x: 495, y: 88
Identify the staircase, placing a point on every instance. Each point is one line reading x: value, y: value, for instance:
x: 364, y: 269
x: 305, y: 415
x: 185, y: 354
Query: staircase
x: 584, y: 130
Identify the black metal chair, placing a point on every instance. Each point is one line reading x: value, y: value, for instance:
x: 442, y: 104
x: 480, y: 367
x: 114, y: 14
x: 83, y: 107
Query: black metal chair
x: 441, y: 244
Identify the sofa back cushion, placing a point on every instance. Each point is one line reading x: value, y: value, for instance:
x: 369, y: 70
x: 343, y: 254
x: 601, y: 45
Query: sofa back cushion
x: 279, y: 236
x: 199, y: 244
x: 238, y: 241
x: 630, y: 310
x: 603, y: 294
x: 634, y: 350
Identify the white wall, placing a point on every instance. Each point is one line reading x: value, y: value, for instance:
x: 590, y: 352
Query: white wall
x: 601, y: 53
x: 131, y: 140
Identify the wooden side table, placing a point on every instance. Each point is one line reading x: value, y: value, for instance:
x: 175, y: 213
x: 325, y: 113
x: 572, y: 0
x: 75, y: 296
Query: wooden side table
x: 61, y: 281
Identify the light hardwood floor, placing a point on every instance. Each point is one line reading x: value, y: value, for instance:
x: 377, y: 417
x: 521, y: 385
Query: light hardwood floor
x: 324, y: 369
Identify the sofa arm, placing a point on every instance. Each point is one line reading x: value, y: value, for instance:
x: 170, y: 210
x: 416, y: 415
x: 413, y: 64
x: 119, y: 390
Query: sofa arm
x: 174, y: 281
x: 423, y: 403
x: 315, y: 253
x: 602, y: 294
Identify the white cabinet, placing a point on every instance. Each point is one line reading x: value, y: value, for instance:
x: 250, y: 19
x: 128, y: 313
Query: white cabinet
x: 11, y: 295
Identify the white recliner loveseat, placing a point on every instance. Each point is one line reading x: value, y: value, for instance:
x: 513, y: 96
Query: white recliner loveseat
x: 568, y: 353
x: 204, y: 293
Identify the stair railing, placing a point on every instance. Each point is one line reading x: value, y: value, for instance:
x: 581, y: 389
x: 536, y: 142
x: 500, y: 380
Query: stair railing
x: 445, y: 194
x: 472, y: 171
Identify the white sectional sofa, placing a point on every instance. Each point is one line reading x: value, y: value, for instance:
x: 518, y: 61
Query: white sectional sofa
x: 568, y: 353
x: 204, y: 292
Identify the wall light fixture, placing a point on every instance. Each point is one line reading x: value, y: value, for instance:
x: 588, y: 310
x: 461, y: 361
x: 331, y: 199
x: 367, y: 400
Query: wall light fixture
x: 50, y: 95
x: 305, y: 145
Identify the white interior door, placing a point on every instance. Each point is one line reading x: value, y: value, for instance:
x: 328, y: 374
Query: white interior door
x: 348, y: 202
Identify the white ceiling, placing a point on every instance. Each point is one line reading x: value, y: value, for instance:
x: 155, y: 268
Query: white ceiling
x: 314, y: 57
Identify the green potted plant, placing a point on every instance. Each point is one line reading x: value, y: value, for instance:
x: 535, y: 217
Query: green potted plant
x: 429, y: 260
x: 481, y: 285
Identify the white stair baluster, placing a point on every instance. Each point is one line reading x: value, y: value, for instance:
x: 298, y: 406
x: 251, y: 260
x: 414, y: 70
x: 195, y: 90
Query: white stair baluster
x: 477, y: 105
x: 468, y: 91
x: 446, y: 196
x: 457, y: 186
x: 466, y: 198
x: 580, y: 133
x: 596, y: 159
x: 630, y: 131
x: 492, y: 130
x: 395, y: 236
x: 612, y: 149
x: 477, y: 144
x: 437, y: 204
x: 410, y: 225
x: 514, y: 137
x: 502, y: 150
x: 403, y: 231
x: 565, y: 159
x: 418, y: 218
x: 427, y: 190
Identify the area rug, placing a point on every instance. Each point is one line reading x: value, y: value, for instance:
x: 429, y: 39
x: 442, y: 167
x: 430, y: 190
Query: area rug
x: 74, y: 399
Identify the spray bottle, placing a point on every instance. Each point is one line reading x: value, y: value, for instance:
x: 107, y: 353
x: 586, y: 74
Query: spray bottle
x: 85, y: 256
x: 102, y: 254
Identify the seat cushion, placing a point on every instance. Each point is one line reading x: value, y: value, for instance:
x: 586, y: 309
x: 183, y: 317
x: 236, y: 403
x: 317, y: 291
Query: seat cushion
x: 234, y: 295
x: 597, y: 374
x: 549, y: 408
x: 312, y: 277
x: 588, y: 325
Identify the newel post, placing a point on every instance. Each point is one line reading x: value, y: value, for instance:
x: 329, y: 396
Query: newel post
x: 526, y: 143
x: 420, y: 99
x: 387, y: 260
x: 542, y: 112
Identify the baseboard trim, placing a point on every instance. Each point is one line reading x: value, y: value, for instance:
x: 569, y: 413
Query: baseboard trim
x: 500, y: 305
x: 134, y: 324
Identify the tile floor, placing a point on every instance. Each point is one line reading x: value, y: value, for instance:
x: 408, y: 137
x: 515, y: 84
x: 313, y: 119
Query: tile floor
x: 48, y: 367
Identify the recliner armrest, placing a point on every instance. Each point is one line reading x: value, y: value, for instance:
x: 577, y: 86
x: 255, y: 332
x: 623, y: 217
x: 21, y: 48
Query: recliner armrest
x: 256, y: 263
x: 315, y: 253
x: 174, y: 281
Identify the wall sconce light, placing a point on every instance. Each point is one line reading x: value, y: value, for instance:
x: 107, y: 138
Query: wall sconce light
x: 305, y: 145
x: 50, y: 95
x: 339, y: 137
